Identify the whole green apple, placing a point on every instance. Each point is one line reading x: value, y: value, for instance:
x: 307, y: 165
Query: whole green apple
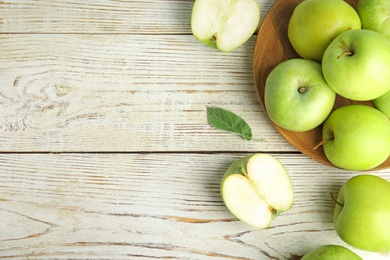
x: 224, y: 24
x: 383, y: 103
x: 296, y: 95
x: 374, y: 15
x: 362, y: 213
x: 256, y: 189
x: 356, y: 137
x: 356, y: 65
x: 331, y: 252
x: 315, y: 23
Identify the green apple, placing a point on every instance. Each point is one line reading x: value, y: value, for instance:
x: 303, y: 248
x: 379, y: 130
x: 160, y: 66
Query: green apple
x: 356, y: 65
x: 375, y: 15
x: 383, y: 103
x: 256, y: 189
x: 224, y: 24
x: 356, y: 137
x: 362, y: 213
x: 331, y: 252
x: 296, y: 95
x: 315, y: 23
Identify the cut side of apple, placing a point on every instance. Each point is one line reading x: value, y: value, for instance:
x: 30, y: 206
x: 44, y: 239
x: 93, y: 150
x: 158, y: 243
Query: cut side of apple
x: 224, y: 24
x: 256, y: 189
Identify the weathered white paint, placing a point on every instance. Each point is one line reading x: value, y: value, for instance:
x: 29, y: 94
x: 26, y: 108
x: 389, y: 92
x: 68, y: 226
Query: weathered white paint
x: 105, y: 149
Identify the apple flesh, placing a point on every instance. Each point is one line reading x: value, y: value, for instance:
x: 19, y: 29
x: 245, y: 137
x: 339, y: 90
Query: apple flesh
x: 375, y: 15
x: 315, y: 23
x: 296, y: 95
x: 382, y: 103
x: 331, y: 252
x: 356, y: 65
x: 256, y: 189
x: 356, y: 137
x: 362, y: 213
x: 224, y: 24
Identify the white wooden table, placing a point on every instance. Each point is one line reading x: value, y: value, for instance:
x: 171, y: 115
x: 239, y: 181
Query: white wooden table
x: 105, y: 149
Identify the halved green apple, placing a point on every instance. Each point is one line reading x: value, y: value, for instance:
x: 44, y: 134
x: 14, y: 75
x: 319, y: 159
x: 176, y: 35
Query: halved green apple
x: 256, y: 189
x: 224, y: 24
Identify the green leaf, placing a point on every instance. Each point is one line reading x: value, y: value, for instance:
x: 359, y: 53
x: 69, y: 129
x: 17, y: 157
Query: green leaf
x: 225, y: 120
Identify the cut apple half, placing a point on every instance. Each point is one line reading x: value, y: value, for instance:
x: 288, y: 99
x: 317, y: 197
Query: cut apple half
x: 256, y: 189
x: 224, y: 24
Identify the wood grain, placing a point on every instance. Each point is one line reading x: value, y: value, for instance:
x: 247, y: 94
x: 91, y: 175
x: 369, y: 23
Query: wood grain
x: 124, y: 93
x: 143, y: 206
x: 100, y: 16
x: 105, y: 149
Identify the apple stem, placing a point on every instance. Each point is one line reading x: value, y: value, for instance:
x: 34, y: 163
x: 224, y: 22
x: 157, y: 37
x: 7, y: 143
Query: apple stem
x: 321, y: 143
x: 335, y: 200
x: 347, y: 53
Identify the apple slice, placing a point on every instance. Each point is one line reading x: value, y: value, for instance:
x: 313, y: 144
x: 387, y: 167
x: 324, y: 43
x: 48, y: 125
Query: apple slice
x: 256, y: 189
x: 224, y: 24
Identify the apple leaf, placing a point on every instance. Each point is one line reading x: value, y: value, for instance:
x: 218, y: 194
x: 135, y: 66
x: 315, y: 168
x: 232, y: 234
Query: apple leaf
x: 228, y: 121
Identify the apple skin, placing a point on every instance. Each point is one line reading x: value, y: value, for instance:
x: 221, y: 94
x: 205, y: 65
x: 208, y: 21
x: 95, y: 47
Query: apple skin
x: 315, y: 23
x: 374, y: 15
x: 356, y: 65
x: 356, y: 137
x: 224, y: 24
x: 331, y: 252
x: 382, y: 103
x: 256, y: 189
x: 296, y: 95
x: 362, y: 213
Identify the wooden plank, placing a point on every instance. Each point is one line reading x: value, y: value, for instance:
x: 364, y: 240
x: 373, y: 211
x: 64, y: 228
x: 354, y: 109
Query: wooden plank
x: 144, y: 206
x: 125, y: 93
x: 100, y: 16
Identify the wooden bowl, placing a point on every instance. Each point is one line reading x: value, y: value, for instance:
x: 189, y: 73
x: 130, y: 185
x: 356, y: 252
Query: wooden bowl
x: 272, y: 47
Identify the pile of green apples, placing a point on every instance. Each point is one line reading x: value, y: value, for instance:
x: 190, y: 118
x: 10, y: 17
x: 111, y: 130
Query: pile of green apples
x: 346, y: 52
x: 343, y: 52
